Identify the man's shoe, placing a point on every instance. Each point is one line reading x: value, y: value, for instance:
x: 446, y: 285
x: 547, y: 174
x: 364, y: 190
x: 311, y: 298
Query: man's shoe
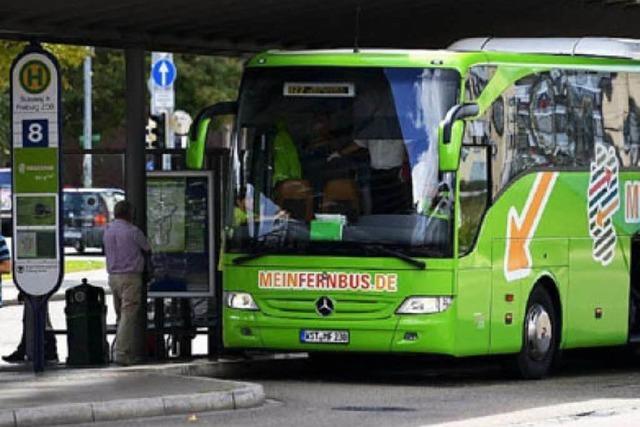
x: 15, y: 357
x: 51, y: 358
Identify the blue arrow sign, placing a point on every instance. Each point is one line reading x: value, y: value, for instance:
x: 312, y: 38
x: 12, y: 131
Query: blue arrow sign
x: 163, y: 73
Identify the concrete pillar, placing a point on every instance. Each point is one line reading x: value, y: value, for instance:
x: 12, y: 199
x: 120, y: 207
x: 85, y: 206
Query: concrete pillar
x: 134, y: 165
x: 135, y: 174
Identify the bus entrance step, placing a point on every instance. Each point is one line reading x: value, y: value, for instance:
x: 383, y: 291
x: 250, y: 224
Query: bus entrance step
x: 634, y: 338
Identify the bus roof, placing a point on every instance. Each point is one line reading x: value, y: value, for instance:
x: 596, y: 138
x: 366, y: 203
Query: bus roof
x: 582, y: 46
x: 367, y: 58
x: 549, y: 52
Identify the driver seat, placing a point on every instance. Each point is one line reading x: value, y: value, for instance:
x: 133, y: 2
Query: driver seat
x: 296, y: 197
x: 341, y: 196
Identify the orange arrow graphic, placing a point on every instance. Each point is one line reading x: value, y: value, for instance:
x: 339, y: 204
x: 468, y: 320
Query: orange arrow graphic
x: 521, y: 228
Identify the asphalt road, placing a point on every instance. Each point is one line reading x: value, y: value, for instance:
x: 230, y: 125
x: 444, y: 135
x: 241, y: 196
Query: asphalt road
x: 410, y: 391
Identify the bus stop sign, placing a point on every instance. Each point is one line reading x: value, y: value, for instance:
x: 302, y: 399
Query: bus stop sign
x: 35, y: 112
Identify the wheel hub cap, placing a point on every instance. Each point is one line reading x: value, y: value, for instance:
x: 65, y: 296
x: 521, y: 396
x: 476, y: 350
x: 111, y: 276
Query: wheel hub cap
x: 539, y: 332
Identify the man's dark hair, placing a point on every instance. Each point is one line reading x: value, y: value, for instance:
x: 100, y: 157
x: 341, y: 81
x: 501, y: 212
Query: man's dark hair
x: 123, y: 210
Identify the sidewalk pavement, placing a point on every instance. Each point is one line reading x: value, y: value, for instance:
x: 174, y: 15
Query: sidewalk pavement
x: 73, y: 396
x: 591, y: 413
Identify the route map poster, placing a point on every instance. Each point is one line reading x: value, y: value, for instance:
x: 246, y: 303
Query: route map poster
x: 165, y: 222
x: 179, y: 227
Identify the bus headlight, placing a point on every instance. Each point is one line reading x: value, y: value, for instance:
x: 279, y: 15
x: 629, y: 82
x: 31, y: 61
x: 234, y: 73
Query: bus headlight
x: 240, y: 301
x: 424, y: 305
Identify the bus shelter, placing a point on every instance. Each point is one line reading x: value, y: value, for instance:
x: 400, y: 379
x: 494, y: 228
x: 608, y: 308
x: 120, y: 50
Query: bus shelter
x: 242, y: 28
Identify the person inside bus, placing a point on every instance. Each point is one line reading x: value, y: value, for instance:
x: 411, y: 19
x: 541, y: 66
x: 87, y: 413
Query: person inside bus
x: 388, y: 182
x: 240, y: 208
x: 323, y: 140
x: 286, y: 161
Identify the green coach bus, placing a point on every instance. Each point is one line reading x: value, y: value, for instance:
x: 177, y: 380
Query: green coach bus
x: 478, y: 200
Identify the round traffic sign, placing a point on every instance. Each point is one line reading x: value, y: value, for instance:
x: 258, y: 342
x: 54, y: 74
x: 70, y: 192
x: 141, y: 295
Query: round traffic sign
x: 163, y: 73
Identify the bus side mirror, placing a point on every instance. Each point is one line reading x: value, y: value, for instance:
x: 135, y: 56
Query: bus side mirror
x: 449, y: 153
x: 451, y: 133
x: 200, y: 129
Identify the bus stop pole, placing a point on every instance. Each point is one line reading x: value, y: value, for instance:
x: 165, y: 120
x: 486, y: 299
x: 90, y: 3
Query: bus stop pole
x: 35, y: 324
x: 135, y: 173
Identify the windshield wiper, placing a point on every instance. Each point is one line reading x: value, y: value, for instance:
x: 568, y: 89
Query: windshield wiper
x: 397, y: 254
x: 378, y: 249
x: 254, y: 255
x: 382, y: 250
x: 258, y: 253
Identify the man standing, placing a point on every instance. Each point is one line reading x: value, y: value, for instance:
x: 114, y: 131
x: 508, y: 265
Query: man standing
x: 125, y: 247
x: 5, y: 262
x: 5, y: 267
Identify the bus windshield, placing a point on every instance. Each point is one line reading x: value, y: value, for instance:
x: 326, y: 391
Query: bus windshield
x: 341, y: 159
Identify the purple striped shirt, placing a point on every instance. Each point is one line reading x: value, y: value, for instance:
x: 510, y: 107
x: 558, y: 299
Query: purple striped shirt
x: 123, y: 247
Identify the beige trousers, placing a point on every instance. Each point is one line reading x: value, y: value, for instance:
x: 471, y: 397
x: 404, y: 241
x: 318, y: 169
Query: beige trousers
x: 127, y: 301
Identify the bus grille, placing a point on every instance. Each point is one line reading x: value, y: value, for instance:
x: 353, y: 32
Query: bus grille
x: 345, y: 308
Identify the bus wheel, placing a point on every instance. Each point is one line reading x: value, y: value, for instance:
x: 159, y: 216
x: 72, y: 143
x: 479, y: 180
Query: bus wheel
x: 540, y: 336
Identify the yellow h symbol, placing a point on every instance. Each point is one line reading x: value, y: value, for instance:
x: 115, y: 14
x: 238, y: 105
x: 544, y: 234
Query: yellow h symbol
x: 35, y: 76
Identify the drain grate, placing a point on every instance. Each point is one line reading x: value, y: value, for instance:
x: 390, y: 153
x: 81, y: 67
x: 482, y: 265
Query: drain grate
x: 373, y: 408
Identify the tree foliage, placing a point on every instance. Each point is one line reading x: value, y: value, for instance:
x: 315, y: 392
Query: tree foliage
x: 205, y: 80
x: 68, y: 56
x: 201, y: 81
x: 108, y: 96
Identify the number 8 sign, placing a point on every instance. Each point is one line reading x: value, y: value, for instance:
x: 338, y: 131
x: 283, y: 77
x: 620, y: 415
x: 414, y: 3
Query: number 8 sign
x: 35, y: 133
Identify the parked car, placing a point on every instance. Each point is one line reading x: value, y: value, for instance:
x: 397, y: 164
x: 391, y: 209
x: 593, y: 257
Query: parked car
x: 86, y: 213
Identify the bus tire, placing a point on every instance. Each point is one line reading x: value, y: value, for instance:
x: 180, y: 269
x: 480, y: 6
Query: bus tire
x: 540, y: 336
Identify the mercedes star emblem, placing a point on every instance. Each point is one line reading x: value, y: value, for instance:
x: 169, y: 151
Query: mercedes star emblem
x: 324, y: 306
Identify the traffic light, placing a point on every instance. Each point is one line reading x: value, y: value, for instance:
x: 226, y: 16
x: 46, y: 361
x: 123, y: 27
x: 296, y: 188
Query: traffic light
x: 155, y: 136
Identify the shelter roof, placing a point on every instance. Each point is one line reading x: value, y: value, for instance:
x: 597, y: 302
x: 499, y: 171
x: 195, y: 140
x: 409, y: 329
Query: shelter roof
x: 240, y: 26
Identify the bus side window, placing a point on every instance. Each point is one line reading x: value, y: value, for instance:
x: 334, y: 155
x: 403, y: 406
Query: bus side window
x: 474, y: 194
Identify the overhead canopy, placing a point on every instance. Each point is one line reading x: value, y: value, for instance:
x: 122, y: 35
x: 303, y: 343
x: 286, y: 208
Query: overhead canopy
x: 235, y: 26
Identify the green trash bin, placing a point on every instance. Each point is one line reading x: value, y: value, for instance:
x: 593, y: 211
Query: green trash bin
x: 86, y: 314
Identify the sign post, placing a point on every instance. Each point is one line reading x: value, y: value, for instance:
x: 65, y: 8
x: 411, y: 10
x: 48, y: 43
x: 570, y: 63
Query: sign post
x: 36, y: 123
x: 163, y: 75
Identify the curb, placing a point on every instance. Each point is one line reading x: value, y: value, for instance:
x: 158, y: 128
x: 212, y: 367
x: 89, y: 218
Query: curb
x: 246, y: 396
x: 215, y: 369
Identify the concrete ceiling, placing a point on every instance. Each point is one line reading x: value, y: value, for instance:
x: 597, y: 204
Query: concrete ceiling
x: 241, y: 26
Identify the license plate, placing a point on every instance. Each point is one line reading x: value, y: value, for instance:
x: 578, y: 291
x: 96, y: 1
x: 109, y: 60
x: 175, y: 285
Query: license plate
x: 72, y: 234
x: 324, y: 337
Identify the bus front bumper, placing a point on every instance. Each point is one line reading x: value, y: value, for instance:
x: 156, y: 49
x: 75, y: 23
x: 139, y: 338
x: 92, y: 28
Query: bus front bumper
x: 432, y: 333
